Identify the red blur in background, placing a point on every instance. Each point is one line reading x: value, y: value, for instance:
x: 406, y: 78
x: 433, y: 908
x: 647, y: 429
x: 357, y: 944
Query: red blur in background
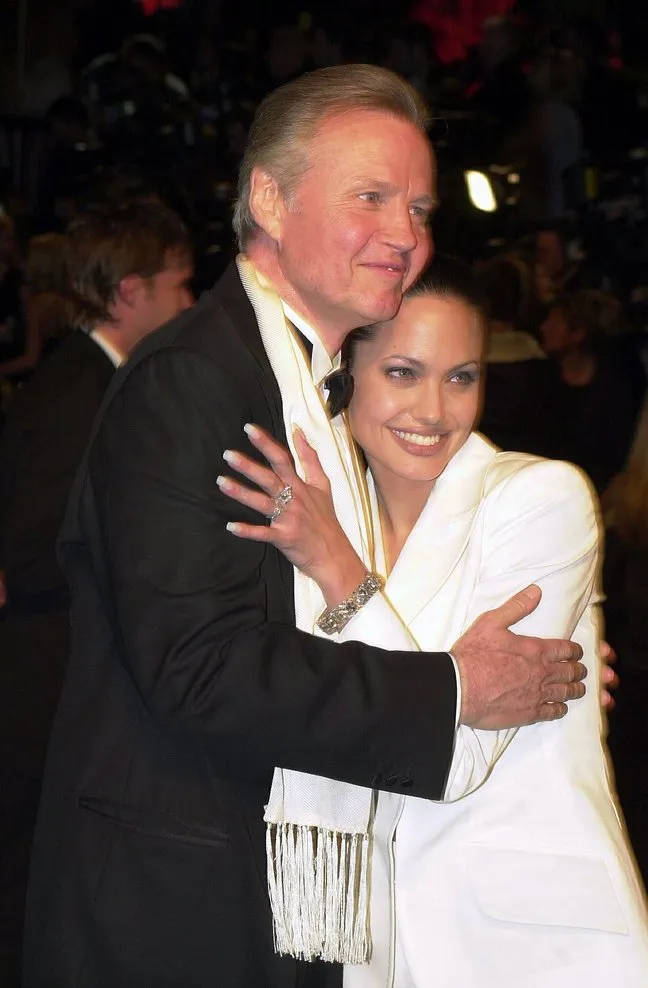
x: 457, y: 25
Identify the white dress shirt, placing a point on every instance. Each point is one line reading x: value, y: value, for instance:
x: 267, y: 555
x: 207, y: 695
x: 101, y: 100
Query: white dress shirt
x: 111, y: 351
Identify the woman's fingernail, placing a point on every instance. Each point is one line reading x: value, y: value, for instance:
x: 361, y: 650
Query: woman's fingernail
x: 229, y: 455
x: 250, y: 430
x: 222, y: 481
x: 232, y: 527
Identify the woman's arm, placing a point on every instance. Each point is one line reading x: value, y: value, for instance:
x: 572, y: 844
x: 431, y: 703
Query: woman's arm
x: 540, y: 527
x: 309, y: 534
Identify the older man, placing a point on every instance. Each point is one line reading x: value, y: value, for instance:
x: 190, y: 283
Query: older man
x: 188, y: 679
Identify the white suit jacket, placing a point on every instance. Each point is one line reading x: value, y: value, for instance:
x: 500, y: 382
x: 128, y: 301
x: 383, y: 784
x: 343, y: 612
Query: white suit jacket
x: 523, y: 877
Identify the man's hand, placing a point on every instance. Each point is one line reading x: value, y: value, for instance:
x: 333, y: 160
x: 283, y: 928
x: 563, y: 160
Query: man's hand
x: 508, y: 680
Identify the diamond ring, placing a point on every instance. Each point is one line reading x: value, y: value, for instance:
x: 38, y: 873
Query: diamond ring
x: 281, y: 500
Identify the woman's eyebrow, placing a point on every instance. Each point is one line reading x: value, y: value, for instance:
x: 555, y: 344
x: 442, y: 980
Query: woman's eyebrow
x: 464, y: 365
x: 419, y: 364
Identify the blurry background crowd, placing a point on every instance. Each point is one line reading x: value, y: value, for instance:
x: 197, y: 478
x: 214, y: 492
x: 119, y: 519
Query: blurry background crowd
x: 541, y: 131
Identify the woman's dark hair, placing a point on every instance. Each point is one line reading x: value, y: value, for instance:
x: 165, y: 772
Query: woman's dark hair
x: 445, y: 278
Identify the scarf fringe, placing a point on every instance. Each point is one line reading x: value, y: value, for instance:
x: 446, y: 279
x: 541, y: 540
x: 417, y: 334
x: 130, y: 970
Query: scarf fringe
x: 318, y: 882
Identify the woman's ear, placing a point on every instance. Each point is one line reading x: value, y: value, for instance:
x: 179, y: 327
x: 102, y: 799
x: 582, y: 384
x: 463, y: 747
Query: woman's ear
x: 266, y: 202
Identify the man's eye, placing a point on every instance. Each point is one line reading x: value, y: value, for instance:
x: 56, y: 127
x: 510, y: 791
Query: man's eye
x: 421, y: 213
x: 373, y: 197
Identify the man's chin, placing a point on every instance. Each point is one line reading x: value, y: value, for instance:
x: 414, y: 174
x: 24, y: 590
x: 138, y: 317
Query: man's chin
x: 385, y: 308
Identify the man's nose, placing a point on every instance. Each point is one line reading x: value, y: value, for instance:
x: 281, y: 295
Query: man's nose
x: 399, y: 230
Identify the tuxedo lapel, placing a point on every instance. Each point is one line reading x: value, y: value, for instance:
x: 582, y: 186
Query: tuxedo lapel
x: 441, y: 533
x: 230, y: 293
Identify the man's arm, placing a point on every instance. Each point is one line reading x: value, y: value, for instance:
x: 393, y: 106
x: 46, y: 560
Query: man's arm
x: 191, y: 606
x: 529, y: 679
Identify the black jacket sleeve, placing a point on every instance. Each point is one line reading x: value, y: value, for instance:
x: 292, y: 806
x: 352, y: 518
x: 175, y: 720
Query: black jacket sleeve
x: 191, y: 605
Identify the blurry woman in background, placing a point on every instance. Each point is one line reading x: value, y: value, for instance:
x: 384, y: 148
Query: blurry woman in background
x: 47, y: 290
x: 626, y: 610
x: 43, y: 307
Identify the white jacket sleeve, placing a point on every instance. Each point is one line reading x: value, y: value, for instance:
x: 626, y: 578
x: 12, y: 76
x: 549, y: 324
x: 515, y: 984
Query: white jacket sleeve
x: 540, y: 526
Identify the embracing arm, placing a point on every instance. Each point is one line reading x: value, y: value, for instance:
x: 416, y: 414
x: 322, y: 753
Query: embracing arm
x: 191, y: 606
x: 529, y: 679
x: 540, y: 527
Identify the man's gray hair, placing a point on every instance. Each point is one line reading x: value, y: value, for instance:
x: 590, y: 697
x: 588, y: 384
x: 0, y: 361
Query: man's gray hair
x: 289, y: 116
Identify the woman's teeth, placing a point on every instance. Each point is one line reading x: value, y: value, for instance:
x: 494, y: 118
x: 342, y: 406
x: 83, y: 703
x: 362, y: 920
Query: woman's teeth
x: 417, y: 439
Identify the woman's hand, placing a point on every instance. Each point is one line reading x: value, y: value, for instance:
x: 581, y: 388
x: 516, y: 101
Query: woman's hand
x: 306, y: 530
x: 609, y: 678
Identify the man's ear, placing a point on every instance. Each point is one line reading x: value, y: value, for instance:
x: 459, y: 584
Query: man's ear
x: 129, y: 289
x: 266, y: 203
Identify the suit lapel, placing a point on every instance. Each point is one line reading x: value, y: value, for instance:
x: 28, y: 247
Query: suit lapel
x: 230, y: 293
x: 442, y: 531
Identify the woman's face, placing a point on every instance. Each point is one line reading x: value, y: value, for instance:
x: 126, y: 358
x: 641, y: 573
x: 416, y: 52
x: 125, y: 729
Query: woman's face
x: 416, y: 395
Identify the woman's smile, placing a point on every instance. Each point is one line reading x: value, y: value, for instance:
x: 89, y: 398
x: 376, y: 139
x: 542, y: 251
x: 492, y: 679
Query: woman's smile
x: 421, y: 443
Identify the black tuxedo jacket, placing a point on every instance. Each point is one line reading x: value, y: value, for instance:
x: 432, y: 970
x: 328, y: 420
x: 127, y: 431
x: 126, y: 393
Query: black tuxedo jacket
x: 42, y: 444
x: 43, y: 441
x: 188, y: 682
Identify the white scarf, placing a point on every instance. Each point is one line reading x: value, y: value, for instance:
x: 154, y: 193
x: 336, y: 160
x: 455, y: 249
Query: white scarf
x: 317, y: 835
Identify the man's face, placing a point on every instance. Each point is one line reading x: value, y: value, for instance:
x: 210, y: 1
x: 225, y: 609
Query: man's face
x: 355, y: 233
x: 549, y: 252
x: 170, y: 292
x: 159, y: 299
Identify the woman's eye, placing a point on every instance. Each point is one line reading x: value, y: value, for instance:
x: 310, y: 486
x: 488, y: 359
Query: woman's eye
x: 400, y: 373
x: 465, y: 378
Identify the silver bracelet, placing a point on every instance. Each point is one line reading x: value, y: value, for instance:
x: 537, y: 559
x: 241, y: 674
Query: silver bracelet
x: 334, y: 619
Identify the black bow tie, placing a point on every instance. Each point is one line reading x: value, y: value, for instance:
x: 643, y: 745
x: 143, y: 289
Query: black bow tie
x: 308, y: 346
x: 339, y: 383
x: 340, y: 391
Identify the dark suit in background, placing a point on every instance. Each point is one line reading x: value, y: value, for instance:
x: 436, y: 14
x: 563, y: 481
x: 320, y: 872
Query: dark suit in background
x: 42, y: 444
x: 188, y: 682
x: 520, y: 409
